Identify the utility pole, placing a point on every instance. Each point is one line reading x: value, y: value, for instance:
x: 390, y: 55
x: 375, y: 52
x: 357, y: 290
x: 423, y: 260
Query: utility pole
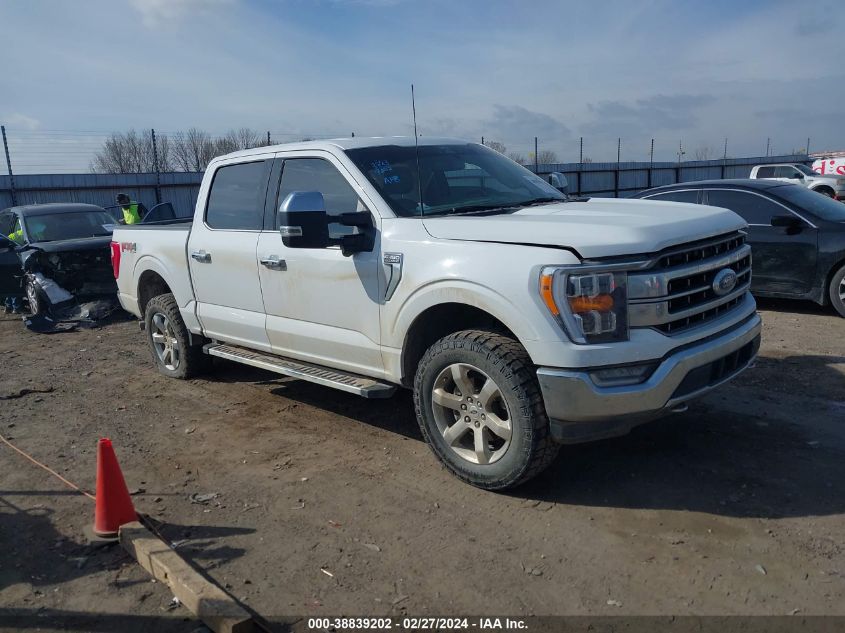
x: 768, y: 145
x: 536, y: 157
x: 155, y: 166
x: 268, y: 138
x: 482, y: 140
x: 808, y: 146
x: 725, y: 156
x: 9, y: 167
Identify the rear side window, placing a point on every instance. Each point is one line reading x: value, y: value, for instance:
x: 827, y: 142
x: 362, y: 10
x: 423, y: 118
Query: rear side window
x: 677, y: 196
x: 236, y: 199
x: 766, y: 172
x: 754, y: 209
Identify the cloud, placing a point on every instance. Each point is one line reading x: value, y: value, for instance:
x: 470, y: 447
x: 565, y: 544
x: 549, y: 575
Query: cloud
x: 158, y: 13
x: 22, y: 121
x: 513, y: 123
x: 648, y: 115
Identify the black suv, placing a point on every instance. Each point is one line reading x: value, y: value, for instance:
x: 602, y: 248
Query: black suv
x: 797, y: 235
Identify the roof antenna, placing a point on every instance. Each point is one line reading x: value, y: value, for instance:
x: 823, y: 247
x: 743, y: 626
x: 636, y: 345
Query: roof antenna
x: 417, y: 150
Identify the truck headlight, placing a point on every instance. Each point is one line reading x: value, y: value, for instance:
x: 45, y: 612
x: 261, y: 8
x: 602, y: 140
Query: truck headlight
x: 840, y: 181
x: 592, y: 306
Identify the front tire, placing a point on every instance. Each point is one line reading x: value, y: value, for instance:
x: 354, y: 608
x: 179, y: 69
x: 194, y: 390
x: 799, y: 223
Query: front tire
x: 837, y: 291
x: 35, y: 297
x: 170, y: 342
x: 479, y: 408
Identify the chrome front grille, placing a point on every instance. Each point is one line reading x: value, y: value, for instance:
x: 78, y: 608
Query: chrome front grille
x: 677, y: 292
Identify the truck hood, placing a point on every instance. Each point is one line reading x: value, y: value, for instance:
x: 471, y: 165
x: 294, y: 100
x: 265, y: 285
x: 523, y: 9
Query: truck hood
x: 599, y: 227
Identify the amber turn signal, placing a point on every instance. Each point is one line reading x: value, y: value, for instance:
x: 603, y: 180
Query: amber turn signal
x: 601, y: 303
x: 547, y: 294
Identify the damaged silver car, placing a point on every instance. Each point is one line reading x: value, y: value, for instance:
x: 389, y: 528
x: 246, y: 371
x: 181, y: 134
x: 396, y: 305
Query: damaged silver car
x: 64, y: 258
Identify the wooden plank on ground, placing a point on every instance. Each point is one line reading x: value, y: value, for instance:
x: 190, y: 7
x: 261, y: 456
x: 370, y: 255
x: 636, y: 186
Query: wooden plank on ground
x: 217, y: 609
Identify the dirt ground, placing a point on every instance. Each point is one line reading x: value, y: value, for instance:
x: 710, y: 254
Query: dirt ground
x: 331, y: 505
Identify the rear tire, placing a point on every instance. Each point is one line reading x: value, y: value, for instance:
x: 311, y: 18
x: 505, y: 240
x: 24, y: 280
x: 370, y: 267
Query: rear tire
x: 825, y: 192
x: 837, y: 291
x: 170, y: 342
x: 480, y: 409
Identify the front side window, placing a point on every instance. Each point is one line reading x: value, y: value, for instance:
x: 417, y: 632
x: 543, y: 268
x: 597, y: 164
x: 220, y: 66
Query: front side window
x: 450, y: 179
x: 753, y: 208
x: 689, y: 195
x: 236, y: 198
x: 316, y: 174
x: 787, y: 171
x: 766, y: 172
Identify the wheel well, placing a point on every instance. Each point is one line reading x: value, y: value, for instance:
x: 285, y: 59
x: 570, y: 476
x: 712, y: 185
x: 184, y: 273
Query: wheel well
x: 825, y: 188
x: 150, y: 285
x: 439, y: 321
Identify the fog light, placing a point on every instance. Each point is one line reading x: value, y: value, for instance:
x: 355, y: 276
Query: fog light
x: 619, y: 376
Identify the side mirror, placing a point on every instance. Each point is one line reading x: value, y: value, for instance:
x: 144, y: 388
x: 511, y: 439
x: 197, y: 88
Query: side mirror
x: 797, y: 176
x: 791, y: 223
x: 558, y: 181
x: 303, y: 221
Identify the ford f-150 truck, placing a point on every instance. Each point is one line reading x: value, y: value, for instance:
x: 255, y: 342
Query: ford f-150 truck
x: 521, y: 318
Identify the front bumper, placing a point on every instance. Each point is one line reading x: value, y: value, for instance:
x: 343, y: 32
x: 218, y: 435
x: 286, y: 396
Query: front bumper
x: 580, y: 411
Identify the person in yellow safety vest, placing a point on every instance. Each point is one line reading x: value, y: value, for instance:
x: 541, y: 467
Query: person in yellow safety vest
x: 133, y: 212
x: 17, y: 235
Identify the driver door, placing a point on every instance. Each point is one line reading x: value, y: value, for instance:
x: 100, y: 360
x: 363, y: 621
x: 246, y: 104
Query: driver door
x: 321, y: 307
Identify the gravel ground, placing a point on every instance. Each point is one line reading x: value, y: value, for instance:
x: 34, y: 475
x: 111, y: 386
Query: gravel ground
x: 327, y: 504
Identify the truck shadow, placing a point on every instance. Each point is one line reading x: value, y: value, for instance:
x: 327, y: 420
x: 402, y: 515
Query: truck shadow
x: 772, y: 445
x: 747, y: 450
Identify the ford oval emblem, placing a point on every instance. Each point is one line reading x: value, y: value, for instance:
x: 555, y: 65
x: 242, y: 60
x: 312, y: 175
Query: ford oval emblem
x: 724, y: 281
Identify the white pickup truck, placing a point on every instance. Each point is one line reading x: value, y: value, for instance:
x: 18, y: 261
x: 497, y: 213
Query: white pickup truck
x: 521, y: 318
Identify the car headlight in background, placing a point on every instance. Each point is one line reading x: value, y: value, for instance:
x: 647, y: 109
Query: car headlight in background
x: 592, y: 306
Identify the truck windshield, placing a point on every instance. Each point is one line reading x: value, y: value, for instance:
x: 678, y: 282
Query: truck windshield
x: 451, y: 179
x: 52, y: 227
x: 816, y: 203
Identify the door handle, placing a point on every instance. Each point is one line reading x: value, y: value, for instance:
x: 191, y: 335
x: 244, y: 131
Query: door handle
x: 201, y: 256
x: 274, y: 263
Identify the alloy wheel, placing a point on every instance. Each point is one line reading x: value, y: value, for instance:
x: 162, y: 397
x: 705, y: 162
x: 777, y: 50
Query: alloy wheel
x: 471, y: 413
x: 165, y: 343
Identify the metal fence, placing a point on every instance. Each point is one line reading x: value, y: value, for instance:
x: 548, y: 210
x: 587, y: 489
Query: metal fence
x: 615, y: 180
x: 181, y: 188
x: 178, y: 188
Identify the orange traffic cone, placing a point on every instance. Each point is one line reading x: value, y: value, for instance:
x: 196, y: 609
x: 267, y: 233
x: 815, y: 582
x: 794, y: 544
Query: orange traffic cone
x: 114, y: 506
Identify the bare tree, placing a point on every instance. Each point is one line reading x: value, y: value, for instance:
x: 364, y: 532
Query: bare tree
x: 235, y: 140
x: 517, y: 157
x: 132, y: 153
x: 703, y: 152
x: 546, y: 157
x: 497, y: 146
x: 193, y: 150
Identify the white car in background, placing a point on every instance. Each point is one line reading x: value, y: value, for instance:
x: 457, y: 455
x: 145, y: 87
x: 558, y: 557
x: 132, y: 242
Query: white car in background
x: 831, y: 185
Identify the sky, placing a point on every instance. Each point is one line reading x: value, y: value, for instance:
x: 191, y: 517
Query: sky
x: 688, y: 72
